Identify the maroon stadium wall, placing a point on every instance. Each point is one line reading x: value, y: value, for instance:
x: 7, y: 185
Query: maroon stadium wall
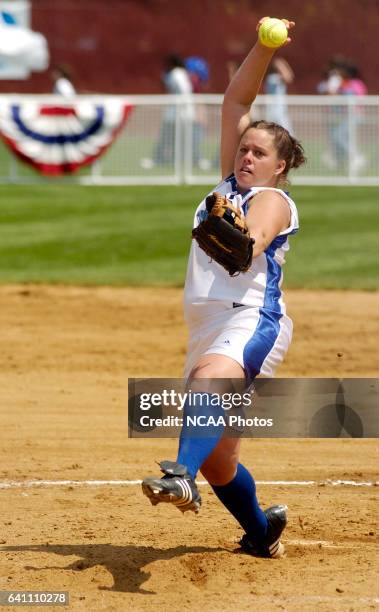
x: 118, y: 46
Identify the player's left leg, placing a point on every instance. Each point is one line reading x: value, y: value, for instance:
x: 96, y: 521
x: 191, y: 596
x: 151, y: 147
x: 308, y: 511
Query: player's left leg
x: 218, y: 458
x: 235, y: 487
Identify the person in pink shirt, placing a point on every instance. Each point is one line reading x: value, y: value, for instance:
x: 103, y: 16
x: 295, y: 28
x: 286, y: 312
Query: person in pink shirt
x: 344, y: 79
x: 351, y: 83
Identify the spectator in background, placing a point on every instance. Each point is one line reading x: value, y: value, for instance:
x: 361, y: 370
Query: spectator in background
x: 332, y: 77
x: 279, y: 76
x: 176, y: 81
x: 352, y: 83
x: 176, y: 78
x: 343, y: 78
x: 198, y: 71
x: 62, y: 81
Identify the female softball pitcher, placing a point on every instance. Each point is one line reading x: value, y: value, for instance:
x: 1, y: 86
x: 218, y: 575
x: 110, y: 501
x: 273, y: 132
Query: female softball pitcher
x: 238, y: 324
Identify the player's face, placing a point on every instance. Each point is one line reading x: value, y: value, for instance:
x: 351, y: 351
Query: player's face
x: 256, y: 163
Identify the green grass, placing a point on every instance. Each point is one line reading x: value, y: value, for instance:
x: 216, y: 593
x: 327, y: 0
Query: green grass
x: 141, y: 235
x: 337, y: 246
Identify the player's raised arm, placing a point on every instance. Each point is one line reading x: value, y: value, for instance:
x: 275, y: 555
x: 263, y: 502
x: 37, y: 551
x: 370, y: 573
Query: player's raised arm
x: 242, y: 91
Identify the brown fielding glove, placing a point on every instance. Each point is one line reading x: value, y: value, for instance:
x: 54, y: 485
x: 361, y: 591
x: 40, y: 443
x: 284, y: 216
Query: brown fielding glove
x: 224, y: 235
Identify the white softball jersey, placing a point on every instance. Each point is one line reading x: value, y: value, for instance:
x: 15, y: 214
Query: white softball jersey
x: 243, y: 317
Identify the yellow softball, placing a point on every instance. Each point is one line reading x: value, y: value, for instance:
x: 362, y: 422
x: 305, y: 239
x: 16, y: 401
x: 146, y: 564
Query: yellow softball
x: 272, y: 33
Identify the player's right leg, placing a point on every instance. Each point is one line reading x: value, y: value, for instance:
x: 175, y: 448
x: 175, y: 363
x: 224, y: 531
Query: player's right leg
x: 197, y: 442
x: 218, y: 458
x: 176, y: 487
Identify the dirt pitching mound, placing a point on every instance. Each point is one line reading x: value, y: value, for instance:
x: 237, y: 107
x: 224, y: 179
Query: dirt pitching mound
x: 66, y: 356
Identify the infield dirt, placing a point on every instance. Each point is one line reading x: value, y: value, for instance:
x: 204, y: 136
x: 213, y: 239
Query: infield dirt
x: 66, y: 356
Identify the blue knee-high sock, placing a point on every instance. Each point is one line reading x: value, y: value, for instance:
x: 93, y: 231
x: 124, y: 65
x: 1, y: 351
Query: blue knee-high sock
x: 198, y: 441
x: 239, y: 497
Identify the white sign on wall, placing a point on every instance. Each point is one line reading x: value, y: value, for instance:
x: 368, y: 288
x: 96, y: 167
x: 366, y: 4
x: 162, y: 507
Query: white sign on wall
x: 21, y: 49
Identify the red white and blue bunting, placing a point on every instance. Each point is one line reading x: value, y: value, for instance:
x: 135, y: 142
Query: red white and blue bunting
x: 59, y: 139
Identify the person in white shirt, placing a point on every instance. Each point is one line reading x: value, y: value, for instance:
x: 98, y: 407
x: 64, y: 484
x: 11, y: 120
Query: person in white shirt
x: 238, y: 326
x: 177, y: 82
x: 279, y: 76
x: 62, y: 82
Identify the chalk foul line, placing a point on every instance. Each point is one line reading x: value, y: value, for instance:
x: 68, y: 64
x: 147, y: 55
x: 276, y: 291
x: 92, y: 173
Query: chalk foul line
x: 27, y: 484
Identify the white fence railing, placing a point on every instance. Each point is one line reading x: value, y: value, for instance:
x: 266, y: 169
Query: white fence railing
x: 174, y: 140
